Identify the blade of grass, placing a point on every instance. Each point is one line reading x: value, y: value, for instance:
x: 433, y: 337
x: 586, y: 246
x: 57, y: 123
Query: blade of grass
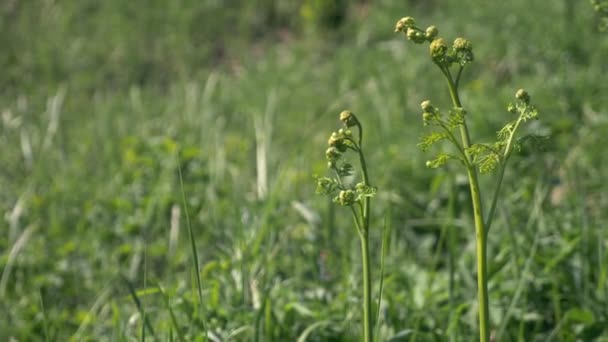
x: 101, y: 299
x: 180, y: 334
x: 193, y: 249
x: 45, y: 324
x: 385, y: 241
x: 139, y: 306
x: 12, y: 257
x: 304, y: 335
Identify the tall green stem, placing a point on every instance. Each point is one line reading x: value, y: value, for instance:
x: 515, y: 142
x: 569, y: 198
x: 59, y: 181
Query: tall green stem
x: 364, y: 237
x: 367, y: 291
x: 480, y: 233
x: 481, y: 244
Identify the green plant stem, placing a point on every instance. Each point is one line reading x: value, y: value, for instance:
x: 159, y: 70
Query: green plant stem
x: 364, y: 237
x: 367, y: 291
x: 480, y: 233
x: 501, y: 175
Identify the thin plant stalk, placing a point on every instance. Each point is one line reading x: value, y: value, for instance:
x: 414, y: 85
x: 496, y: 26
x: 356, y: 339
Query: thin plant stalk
x: 385, y: 240
x: 480, y: 229
x: 357, y: 198
x: 199, y: 286
x: 364, y: 236
x: 486, y: 157
x: 367, y: 297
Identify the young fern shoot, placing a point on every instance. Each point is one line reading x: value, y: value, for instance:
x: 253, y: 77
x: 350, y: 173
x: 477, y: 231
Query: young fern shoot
x: 357, y: 198
x: 474, y: 157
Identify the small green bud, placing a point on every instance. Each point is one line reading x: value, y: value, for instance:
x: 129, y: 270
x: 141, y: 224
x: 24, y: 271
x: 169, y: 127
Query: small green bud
x: 438, y: 49
x: 415, y: 35
x: 404, y: 23
x: 324, y: 185
x: 411, y: 33
x: 347, y: 133
x: 348, y: 118
x: 429, y: 164
x: 360, y: 186
x: 333, y: 139
x: 461, y: 44
x: 523, y: 96
x: 346, y: 197
x: 431, y: 32
x: 463, y: 49
x: 426, y: 117
x: 337, y: 140
x: 426, y: 106
x: 511, y: 108
x: 332, y: 153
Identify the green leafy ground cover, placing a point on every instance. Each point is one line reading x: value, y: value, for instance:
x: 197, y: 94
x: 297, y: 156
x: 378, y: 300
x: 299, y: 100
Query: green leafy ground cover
x: 108, y: 107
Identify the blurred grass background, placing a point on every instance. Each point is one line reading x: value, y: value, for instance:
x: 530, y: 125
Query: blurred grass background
x: 103, y: 102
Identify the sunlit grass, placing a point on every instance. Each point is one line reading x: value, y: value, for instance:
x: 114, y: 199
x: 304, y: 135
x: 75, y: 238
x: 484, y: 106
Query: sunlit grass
x: 90, y: 188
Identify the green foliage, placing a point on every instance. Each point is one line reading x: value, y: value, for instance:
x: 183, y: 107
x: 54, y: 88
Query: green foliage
x: 323, y: 14
x: 601, y: 7
x: 99, y: 99
x: 430, y: 139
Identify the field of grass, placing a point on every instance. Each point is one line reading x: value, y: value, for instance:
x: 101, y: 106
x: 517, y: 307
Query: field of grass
x: 132, y: 132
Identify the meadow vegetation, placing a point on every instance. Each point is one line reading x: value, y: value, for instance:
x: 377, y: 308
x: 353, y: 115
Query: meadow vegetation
x: 133, y: 133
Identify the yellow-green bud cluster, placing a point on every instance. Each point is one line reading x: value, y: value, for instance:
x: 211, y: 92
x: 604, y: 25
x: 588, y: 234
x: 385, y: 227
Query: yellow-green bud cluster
x: 332, y: 153
x: 463, y: 49
x: 348, y: 118
x: 461, y: 44
x: 431, y: 32
x: 404, y: 23
x: 429, y: 113
x: 413, y: 33
x: 416, y: 35
x: 341, y: 140
x: 438, y: 49
x: 427, y: 106
x: 523, y: 96
x: 523, y: 107
x: 346, y: 197
x: 338, y: 144
x: 337, y: 141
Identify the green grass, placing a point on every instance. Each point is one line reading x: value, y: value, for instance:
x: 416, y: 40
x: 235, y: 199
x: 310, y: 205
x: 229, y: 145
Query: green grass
x: 95, y: 125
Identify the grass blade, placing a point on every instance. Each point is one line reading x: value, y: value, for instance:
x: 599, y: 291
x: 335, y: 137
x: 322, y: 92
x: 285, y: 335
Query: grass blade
x: 386, y: 229
x: 180, y: 334
x: 193, y: 249
x: 139, y: 306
